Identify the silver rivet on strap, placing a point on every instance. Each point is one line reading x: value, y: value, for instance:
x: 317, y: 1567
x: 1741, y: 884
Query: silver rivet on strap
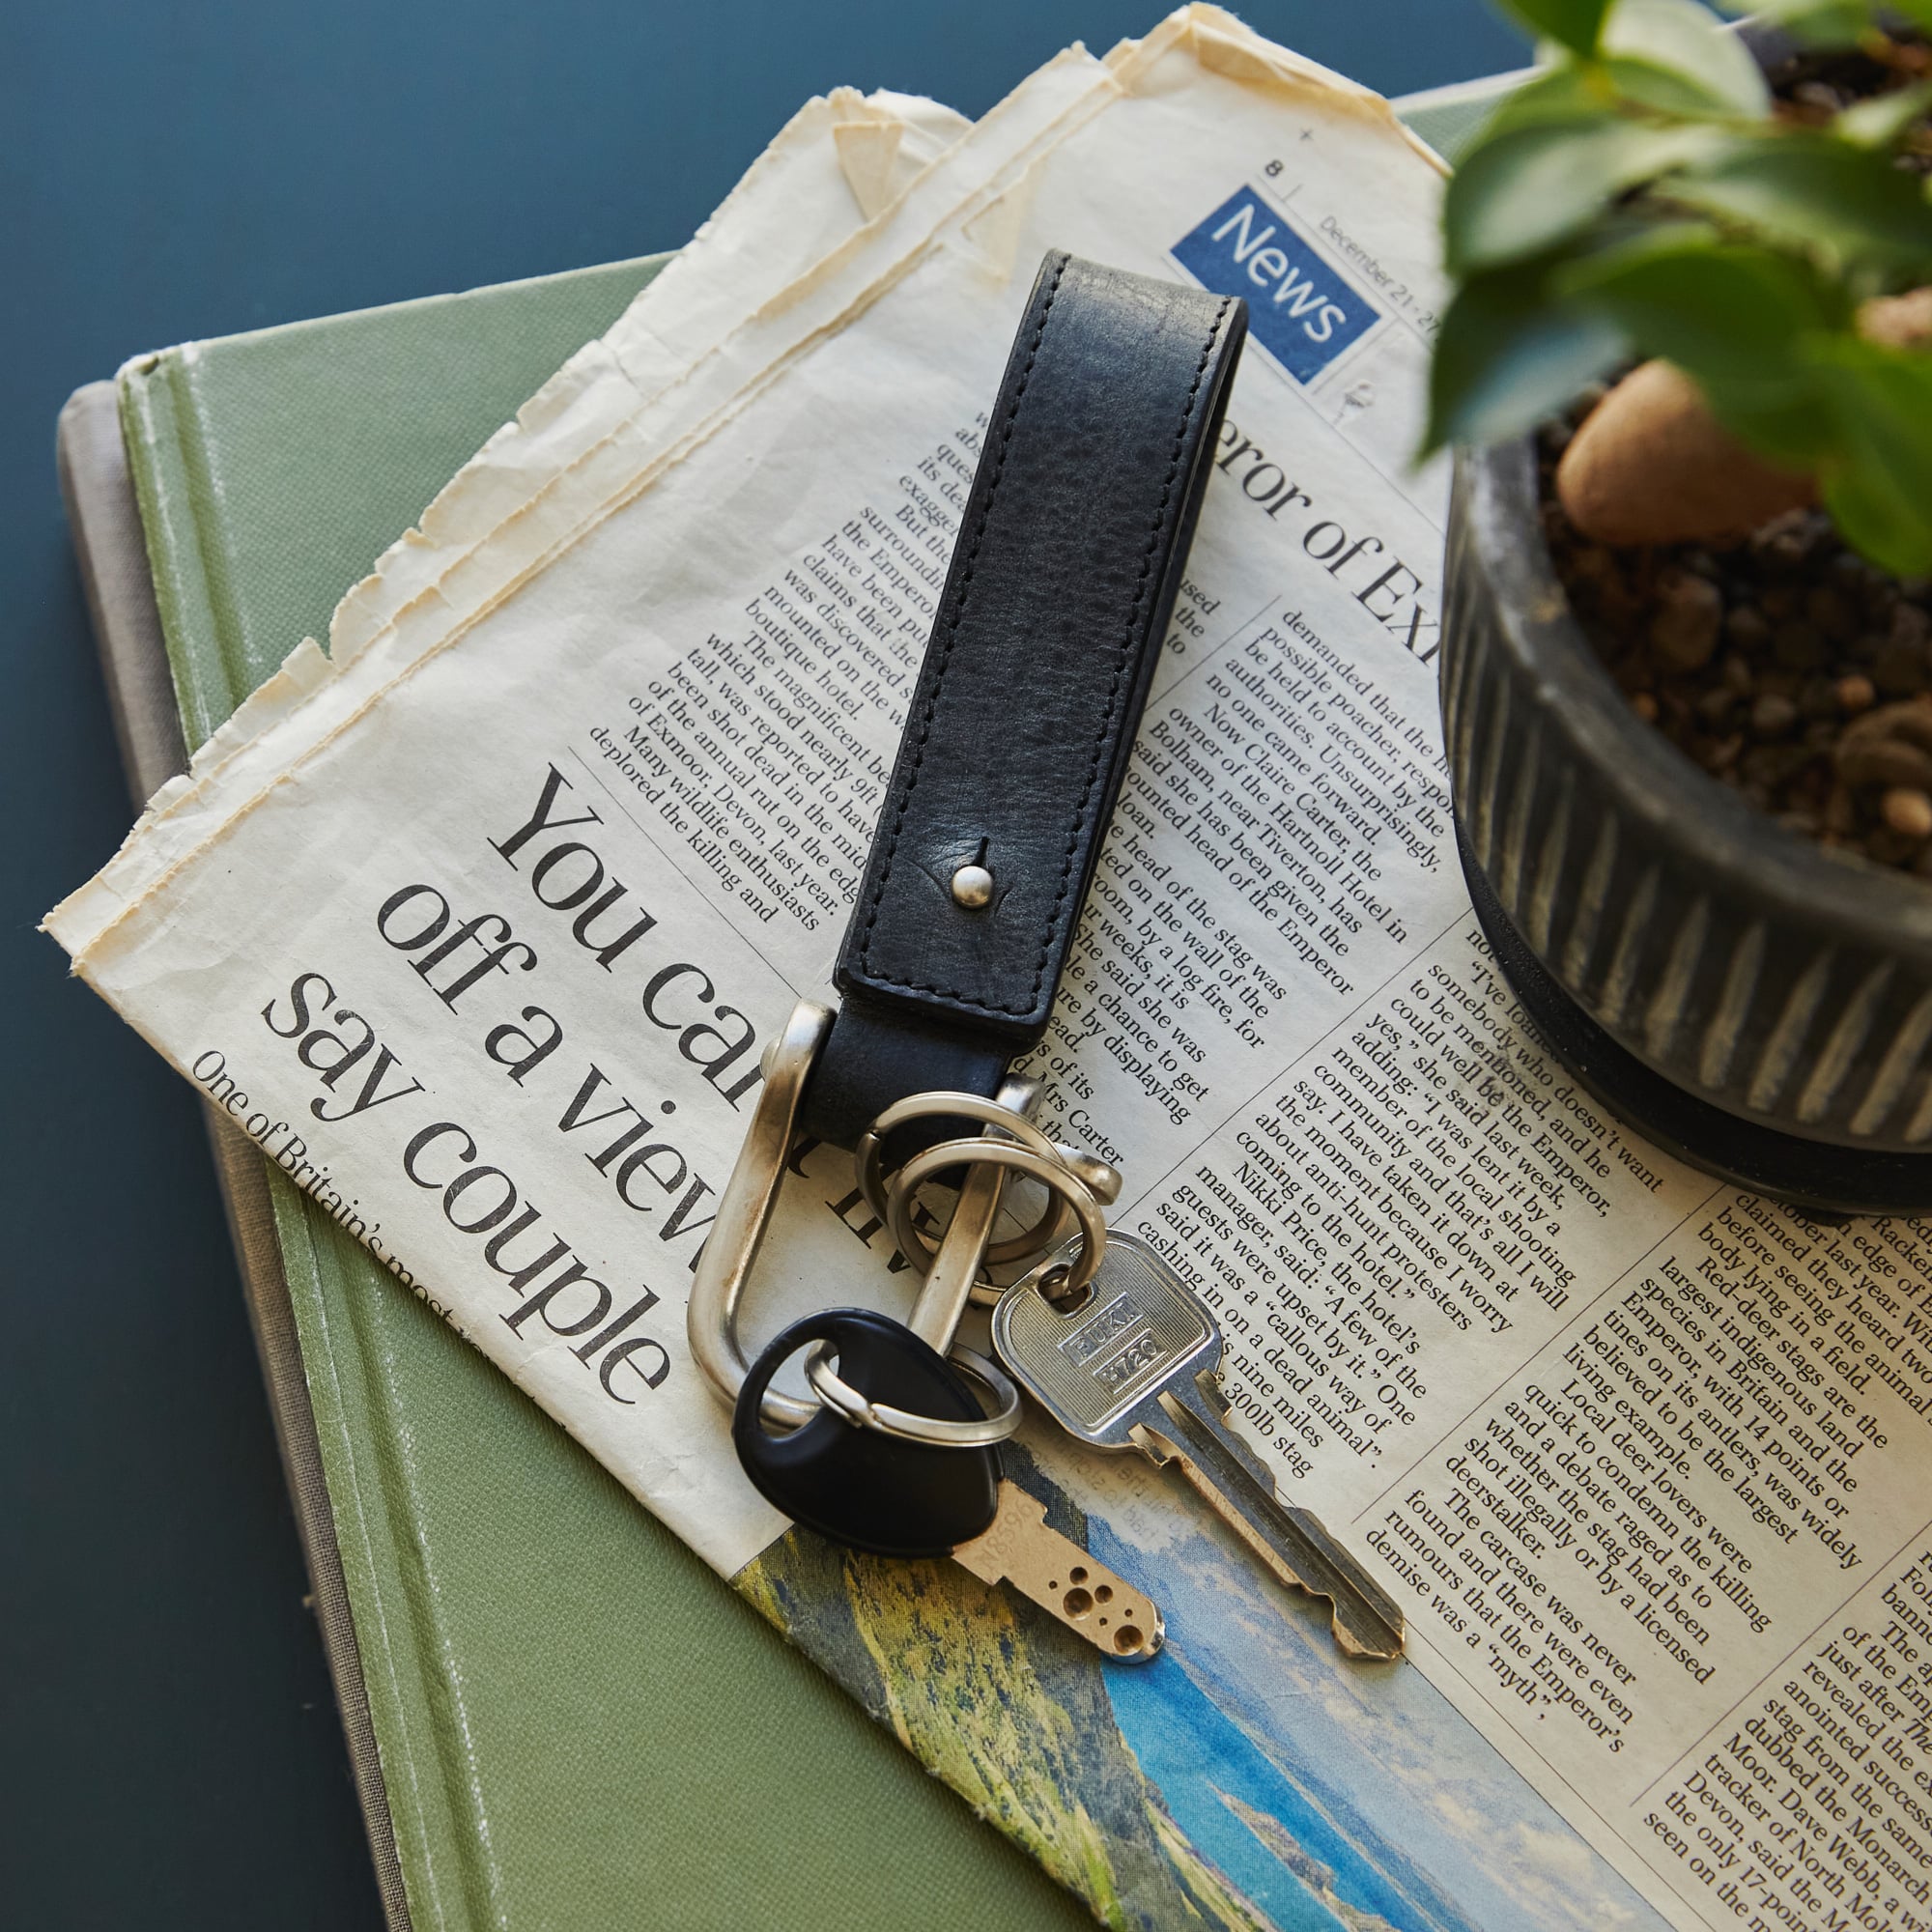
x: 972, y: 887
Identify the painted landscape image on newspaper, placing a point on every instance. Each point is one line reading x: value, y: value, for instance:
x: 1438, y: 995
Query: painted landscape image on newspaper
x: 1246, y: 1777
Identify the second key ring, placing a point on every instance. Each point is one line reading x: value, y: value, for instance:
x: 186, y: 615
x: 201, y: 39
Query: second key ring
x: 868, y: 1156
x: 1049, y: 1168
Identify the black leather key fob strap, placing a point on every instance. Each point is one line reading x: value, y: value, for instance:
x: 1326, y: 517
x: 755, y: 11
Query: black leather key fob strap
x: 1063, y: 575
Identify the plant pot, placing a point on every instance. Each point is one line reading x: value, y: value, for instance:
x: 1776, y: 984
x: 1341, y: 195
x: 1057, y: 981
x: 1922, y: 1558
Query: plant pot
x: 1752, y: 1003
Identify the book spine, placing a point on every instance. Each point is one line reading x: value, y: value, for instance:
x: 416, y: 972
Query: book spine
x: 427, y: 1836
x: 176, y: 486
x: 351, y: 1331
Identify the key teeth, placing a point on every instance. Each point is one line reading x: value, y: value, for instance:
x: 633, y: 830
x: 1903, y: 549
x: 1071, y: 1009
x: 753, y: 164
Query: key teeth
x: 1384, y: 1640
x: 1381, y: 1642
x: 1380, y: 1651
x: 1380, y: 1636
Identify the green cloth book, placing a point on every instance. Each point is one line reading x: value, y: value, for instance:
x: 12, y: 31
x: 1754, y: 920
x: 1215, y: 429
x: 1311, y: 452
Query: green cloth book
x: 559, y: 1715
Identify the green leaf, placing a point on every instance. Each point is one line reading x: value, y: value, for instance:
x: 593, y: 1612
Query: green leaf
x: 1574, y: 22
x: 1879, y: 486
x: 1686, y: 293
x: 1510, y: 353
x: 1819, y: 23
x: 1531, y: 187
x: 1878, y: 121
x: 1663, y: 90
x: 1846, y: 205
x: 1570, y: 91
x: 1679, y: 48
x: 1740, y: 320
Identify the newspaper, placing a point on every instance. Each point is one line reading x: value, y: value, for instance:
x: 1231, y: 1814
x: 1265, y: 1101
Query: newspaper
x: 479, y: 927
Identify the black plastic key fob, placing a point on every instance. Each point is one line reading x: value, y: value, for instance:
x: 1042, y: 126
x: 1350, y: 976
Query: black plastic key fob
x: 857, y: 1486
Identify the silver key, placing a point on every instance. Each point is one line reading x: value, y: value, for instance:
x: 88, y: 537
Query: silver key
x: 1131, y: 1367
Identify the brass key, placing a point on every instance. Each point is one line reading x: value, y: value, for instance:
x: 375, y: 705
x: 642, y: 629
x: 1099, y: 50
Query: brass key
x: 1020, y: 1548
x: 1023, y: 1550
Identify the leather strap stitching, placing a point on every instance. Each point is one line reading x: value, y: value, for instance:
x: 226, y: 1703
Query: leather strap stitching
x: 1120, y: 654
x: 1056, y: 913
x: 952, y: 633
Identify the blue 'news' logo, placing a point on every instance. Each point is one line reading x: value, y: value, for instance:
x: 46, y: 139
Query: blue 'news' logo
x: 1300, y: 309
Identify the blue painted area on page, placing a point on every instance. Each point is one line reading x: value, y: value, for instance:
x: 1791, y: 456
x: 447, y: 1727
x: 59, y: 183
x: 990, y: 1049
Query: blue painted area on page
x: 1301, y: 308
x: 1333, y: 1793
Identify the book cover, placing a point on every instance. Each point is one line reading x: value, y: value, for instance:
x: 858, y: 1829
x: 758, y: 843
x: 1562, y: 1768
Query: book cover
x: 506, y: 1773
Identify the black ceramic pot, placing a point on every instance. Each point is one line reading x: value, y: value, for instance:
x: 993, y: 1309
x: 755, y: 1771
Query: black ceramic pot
x: 1755, y: 1005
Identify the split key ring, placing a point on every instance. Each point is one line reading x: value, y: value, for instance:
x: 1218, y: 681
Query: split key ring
x: 845, y: 1402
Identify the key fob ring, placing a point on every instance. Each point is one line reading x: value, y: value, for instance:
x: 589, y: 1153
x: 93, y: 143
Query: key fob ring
x: 845, y: 1402
x: 727, y: 1257
x: 858, y: 1486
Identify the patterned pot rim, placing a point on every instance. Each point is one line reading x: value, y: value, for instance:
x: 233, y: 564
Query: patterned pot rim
x: 1745, y: 854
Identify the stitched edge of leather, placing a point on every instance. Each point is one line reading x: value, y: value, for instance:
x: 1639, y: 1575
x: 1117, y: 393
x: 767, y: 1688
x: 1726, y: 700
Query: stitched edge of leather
x: 1055, y: 920
x: 946, y: 654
